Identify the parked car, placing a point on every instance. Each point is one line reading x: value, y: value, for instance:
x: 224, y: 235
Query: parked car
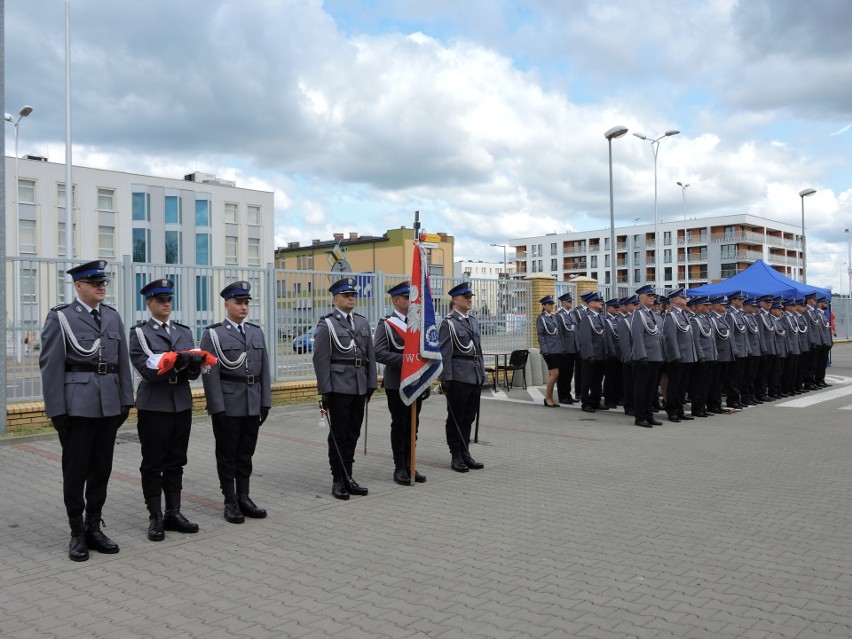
x: 304, y: 343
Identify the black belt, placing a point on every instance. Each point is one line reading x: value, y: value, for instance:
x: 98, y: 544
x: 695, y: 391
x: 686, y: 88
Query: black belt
x: 357, y: 363
x: 101, y: 368
x: 240, y: 379
x: 475, y: 358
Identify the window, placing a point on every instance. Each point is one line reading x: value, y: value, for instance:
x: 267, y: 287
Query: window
x: 607, y: 277
x: 106, y: 200
x: 203, y: 292
x: 60, y: 196
x: 28, y: 285
x: 636, y: 275
x: 305, y: 262
x: 730, y: 233
x: 667, y: 256
x: 106, y: 241
x: 27, y: 236
x: 594, y: 275
x: 26, y: 191
x: 553, y: 265
x: 606, y: 243
x: 202, y: 249
x: 667, y: 238
x: 729, y: 270
x: 636, y: 257
x: 176, y: 296
x: 60, y: 244
x: 231, y: 212
x: 729, y: 251
x: 254, y: 252
x: 141, y: 281
x: 553, y: 248
x: 635, y: 241
x: 202, y: 212
x: 173, y: 209
x: 253, y: 214
x: 173, y: 247
x: 667, y: 273
x: 594, y: 261
x: 702, y: 236
x: 142, y: 207
x: 231, y: 255
x: 141, y: 246
x: 606, y: 260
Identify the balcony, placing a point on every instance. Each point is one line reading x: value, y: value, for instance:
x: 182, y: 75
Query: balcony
x: 784, y: 260
x: 692, y: 241
x: 575, y: 249
x: 741, y: 256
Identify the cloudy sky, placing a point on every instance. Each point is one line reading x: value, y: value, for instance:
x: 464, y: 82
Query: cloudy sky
x: 486, y: 115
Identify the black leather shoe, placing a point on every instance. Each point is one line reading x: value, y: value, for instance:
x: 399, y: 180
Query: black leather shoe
x: 736, y: 406
x: 716, y: 411
x: 418, y: 478
x: 338, y: 491
x: 655, y: 422
x: 96, y: 539
x: 155, y: 527
x: 588, y: 409
x: 401, y: 477
x: 568, y: 400
x: 602, y: 407
x: 630, y: 413
x: 643, y: 423
x: 232, y: 512
x: 674, y: 418
x: 249, y: 509
x: 458, y: 465
x: 174, y: 520
x: 470, y: 462
x: 554, y: 405
x: 77, y: 548
x: 355, y: 488
x: 688, y: 418
x: 700, y: 413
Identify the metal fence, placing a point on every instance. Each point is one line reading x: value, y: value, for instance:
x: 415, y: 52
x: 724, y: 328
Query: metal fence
x: 287, y: 304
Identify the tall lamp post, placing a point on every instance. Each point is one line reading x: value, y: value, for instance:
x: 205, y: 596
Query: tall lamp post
x: 655, y: 147
x: 803, y: 194
x: 849, y: 259
x: 505, y: 274
x: 683, y: 188
x: 613, y: 133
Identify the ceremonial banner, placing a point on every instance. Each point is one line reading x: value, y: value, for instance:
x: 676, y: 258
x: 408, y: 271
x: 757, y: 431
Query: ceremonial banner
x: 421, y: 359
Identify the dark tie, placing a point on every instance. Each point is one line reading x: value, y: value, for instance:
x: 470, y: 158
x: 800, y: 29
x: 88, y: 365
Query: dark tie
x: 351, y: 323
x: 406, y: 320
x: 166, y: 326
x: 97, y: 315
x: 242, y: 330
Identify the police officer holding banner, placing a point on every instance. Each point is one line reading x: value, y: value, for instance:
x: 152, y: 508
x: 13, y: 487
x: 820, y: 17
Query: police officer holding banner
x: 164, y: 405
x: 239, y: 396
x: 389, y: 343
x: 462, y: 376
x: 88, y: 394
x: 345, y: 366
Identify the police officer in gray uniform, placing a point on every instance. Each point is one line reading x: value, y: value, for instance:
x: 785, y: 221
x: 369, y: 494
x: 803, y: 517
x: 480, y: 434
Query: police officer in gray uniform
x: 239, y: 396
x: 647, y: 332
x: 612, y: 383
x: 389, y: 344
x: 462, y: 377
x: 590, y: 336
x: 626, y: 307
x: 739, y: 341
x: 568, y: 335
x: 724, y: 350
x: 767, y: 347
x: 88, y: 394
x: 164, y: 404
x: 749, y: 379
x: 345, y: 366
x: 550, y: 344
x: 681, y: 355
x: 705, y: 348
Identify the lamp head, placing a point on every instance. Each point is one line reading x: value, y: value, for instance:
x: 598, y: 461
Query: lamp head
x: 682, y: 185
x: 25, y: 111
x: 806, y: 192
x: 8, y: 117
x: 641, y: 136
x: 672, y: 132
x: 615, y: 132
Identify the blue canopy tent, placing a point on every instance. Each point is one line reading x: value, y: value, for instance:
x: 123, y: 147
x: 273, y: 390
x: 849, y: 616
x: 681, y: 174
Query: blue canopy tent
x: 759, y: 279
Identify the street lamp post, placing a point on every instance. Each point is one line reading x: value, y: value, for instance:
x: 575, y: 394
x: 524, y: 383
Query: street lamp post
x: 505, y: 275
x: 683, y: 188
x: 849, y: 259
x: 803, y: 194
x: 655, y: 147
x: 613, y: 133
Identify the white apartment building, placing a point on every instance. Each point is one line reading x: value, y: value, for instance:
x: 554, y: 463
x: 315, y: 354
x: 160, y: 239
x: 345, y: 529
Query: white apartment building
x: 501, y: 295
x: 482, y: 270
x: 688, y: 254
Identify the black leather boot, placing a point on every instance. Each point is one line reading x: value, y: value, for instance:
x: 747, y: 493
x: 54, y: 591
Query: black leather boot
x: 417, y: 476
x: 77, y: 548
x: 232, y: 511
x: 470, y: 462
x: 457, y: 464
x: 96, y: 539
x: 353, y: 486
x: 155, y: 527
x: 173, y: 519
x: 338, y: 490
x: 247, y: 506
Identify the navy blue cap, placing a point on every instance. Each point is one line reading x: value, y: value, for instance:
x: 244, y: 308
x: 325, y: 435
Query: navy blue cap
x: 777, y: 304
x: 717, y: 299
x: 699, y: 299
x: 800, y: 301
x: 345, y: 285
x: 739, y: 295
x: 403, y: 288
x: 158, y: 288
x: 811, y: 295
x: 764, y: 298
x: 461, y: 289
x: 750, y: 301
x: 645, y: 290
x: 592, y: 296
x: 92, y: 271
x: 585, y: 296
x: 238, y: 290
x: 565, y: 297
x: 614, y: 303
x: 630, y: 299
x: 790, y: 302
x: 677, y: 293
x: 547, y: 299
x: 822, y: 298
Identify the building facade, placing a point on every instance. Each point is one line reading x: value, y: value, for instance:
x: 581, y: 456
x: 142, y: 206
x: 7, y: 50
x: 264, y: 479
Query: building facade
x: 688, y: 254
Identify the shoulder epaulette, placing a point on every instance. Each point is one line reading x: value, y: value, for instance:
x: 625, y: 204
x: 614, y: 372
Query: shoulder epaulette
x: 59, y: 307
x: 112, y: 308
x: 179, y: 324
x: 216, y: 325
x: 327, y: 315
x: 253, y: 324
x: 142, y: 323
x: 358, y: 314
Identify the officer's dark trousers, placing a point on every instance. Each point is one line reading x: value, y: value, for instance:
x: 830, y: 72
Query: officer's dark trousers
x: 87, y: 450
x: 788, y: 376
x: 345, y: 415
x: 699, y: 386
x: 775, y: 374
x: 822, y: 363
x: 236, y: 440
x: 164, y: 438
x: 766, y: 364
x: 734, y: 390
x: 809, y: 362
x: 749, y: 382
x: 400, y: 434
x: 679, y: 376
x: 612, y: 384
x: 578, y: 376
x: 462, y: 404
x: 646, y: 377
x: 592, y: 375
x: 627, y: 386
x: 717, y: 382
x: 566, y: 373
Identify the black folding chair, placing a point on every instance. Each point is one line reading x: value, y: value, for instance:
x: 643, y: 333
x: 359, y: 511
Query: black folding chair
x: 517, y: 362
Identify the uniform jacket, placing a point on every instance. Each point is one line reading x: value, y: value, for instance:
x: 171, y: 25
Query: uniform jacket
x: 780, y: 336
x: 739, y: 332
x: 646, y: 329
x: 825, y: 329
x: 84, y: 393
x: 549, y: 338
x: 678, y: 338
x: 814, y: 334
x: 389, y: 346
x: 236, y: 397
x: 804, y: 341
x: 567, y: 331
x: 169, y: 393
x: 591, y: 336
x: 767, y: 332
x: 705, y: 342
x: 344, y: 359
x: 461, y: 349
x: 612, y: 336
x: 722, y: 335
x: 752, y: 333
x: 625, y: 339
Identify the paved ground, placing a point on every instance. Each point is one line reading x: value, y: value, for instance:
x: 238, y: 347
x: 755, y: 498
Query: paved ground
x: 579, y: 526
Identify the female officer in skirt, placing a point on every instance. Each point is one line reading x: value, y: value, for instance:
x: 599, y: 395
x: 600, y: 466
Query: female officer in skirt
x: 551, y: 345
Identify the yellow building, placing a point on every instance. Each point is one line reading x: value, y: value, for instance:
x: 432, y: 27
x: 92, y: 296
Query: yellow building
x: 392, y: 252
